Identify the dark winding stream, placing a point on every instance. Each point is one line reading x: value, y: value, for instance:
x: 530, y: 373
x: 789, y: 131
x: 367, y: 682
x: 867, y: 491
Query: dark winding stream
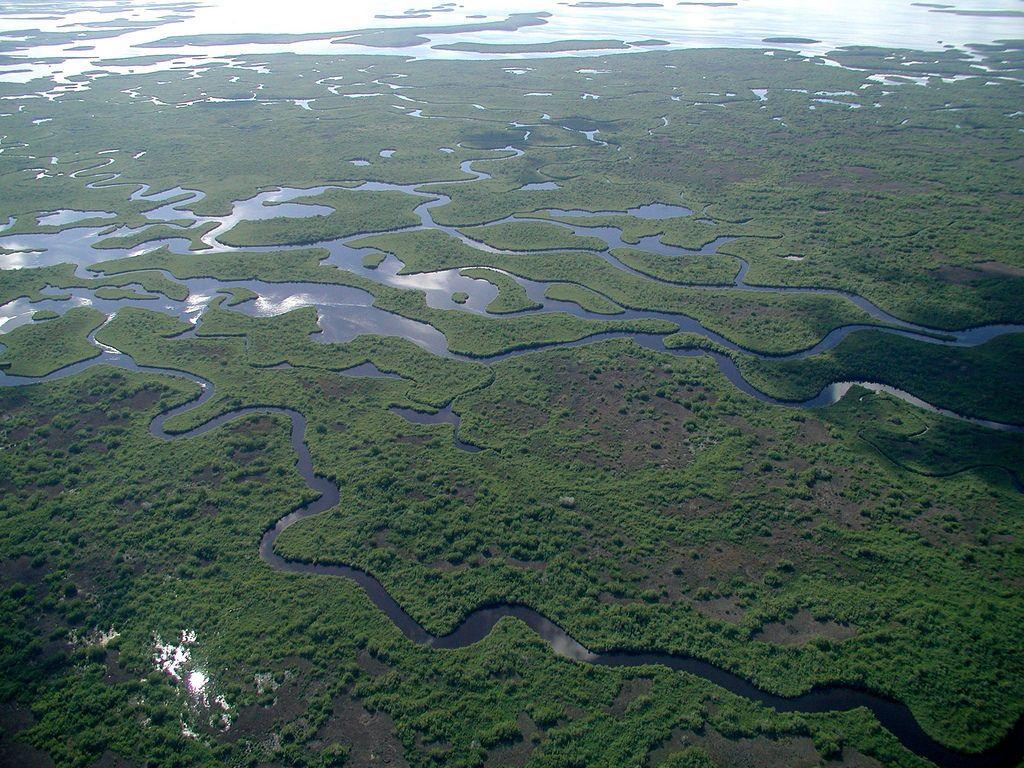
x: 894, y: 716
x: 345, y: 312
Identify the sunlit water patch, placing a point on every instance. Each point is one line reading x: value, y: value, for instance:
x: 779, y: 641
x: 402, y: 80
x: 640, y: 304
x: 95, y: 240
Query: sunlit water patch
x: 312, y: 27
x: 177, y: 660
x: 67, y: 216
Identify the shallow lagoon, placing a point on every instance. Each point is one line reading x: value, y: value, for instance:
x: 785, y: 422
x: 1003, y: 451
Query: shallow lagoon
x: 812, y: 27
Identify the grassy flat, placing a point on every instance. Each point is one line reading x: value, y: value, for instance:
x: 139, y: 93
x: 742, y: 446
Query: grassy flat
x: 39, y: 349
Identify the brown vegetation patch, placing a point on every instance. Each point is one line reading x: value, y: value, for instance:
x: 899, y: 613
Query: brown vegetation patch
x: 15, y: 718
x: 722, y: 560
x: 854, y: 178
x: 760, y: 752
x: 18, y: 434
x: 368, y: 736
x: 949, y: 273
x: 801, y: 628
x: 813, y: 431
x: 20, y: 570
x: 999, y: 269
x: 49, y: 491
x: 946, y: 526
x: 629, y: 690
x: 290, y: 691
x: 243, y: 457
x: 446, y: 566
x: 370, y: 664
x: 721, y: 609
x: 518, y: 752
x: 208, y: 476
x: 143, y: 399
x: 115, y: 673
x: 335, y: 386
x: 517, y: 416
x: 624, y: 424
x: 257, y: 721
x: 260, y: 425
x: 110, y: 759
x: 526, y: 565
x: 415, y: 440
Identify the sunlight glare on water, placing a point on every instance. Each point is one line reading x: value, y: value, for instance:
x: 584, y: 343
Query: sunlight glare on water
x: 895, y: 23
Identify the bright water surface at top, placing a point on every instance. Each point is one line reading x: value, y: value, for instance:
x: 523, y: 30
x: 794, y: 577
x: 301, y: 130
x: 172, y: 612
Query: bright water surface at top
x: 894, y: 23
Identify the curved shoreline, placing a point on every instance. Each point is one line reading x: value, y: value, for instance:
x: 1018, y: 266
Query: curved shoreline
x: 894, y: 716
x: 176, y: 199
x: 476, y: 625
x: 479, y: 622
x: 830, y: 394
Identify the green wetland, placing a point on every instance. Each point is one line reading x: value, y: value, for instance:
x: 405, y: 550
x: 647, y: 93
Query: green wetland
x: 656, y: 409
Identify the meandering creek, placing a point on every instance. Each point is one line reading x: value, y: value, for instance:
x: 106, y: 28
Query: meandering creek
x: 347, y: 312
x: 894, y: 716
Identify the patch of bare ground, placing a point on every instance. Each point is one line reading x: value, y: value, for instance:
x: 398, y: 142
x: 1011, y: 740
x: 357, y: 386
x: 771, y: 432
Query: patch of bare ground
x: 958, y: 275
x: 516, y: 416
x: 949, y: 273
x: 998, y: 268
x: 854, y: 178
x: 288, y: 689
x: 759, y: 752
x: 630, y: 689
x: 517, y: 752
x: 370, y: 664
x: 801, y: 628
x: 111, y: 759
x: 369, y: 737
x: 625, y: 426
x: 725, y: 609
x: 15, y: 718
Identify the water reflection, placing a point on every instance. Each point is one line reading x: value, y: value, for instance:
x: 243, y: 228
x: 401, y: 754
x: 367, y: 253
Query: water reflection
x: 893, y: 23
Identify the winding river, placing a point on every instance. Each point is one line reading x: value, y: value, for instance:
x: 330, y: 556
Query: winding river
x: 894, y: 716
x: 346, y: 312
x: 360, y: 317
